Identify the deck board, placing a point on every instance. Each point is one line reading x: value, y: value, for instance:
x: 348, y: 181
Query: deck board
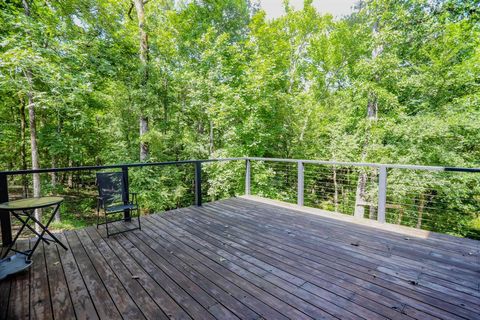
x: 248, y: 258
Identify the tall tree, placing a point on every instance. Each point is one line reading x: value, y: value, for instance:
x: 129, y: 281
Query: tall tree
x: 372, y: 117
x: 33, y: 127
x: 144, y: 64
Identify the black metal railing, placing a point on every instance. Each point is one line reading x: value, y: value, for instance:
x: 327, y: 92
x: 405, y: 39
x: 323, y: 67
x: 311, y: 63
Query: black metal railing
x: 5, y: 222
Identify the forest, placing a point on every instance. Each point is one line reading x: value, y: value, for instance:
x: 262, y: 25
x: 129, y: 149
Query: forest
x: 95, y: 82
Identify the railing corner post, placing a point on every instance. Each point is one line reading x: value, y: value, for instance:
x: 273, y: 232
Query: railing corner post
x: 382, y: 194
x: 126, y: 197
x: 248, y: 170
x: 198, y: 183
x: 300, y: 183
x: 5, y: 215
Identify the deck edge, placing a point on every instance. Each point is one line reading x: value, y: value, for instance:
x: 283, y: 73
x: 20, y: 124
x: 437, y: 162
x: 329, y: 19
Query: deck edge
x: 402, y: 230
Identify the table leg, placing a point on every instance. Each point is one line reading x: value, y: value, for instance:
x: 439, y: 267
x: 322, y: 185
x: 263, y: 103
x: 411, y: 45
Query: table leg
x: 24, y: 223
x: 45, y: 230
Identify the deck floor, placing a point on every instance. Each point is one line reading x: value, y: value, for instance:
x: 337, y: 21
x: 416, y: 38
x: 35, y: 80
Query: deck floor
x: 241, y: 258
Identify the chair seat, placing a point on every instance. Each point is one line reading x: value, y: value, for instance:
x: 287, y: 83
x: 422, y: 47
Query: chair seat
x: 120, y: 207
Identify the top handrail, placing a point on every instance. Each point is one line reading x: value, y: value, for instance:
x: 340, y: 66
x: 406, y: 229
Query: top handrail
x: 164, y: 163
x: 115, y: 166
x: 367, y: 164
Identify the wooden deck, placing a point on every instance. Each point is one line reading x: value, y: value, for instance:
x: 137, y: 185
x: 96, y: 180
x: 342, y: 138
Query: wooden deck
x: 249, y: 259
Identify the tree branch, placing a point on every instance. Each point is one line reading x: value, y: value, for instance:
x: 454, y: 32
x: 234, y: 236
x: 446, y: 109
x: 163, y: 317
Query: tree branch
x: 130, y: 11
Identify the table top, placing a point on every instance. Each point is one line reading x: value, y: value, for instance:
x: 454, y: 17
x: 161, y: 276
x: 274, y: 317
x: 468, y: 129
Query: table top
x: 31, y: 203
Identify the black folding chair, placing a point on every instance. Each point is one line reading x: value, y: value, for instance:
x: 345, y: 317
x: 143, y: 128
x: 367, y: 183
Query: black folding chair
x: 113, y: 199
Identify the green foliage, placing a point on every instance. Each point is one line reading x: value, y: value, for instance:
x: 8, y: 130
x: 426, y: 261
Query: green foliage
x: 225, y: 81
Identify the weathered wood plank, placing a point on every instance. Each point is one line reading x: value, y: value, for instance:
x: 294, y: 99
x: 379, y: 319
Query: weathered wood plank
x: 81, y: 300
x: 116, y: 289
x: 19, y: 306
x: 466, y: 279
x: 40, y: 305
x: 376, y: 240
x: 103, y: 303
x: 146, y: 276
x: 209, y: 288
x: 129, y: 280
x: 428, y: 292
x: 5, y: 287
x: 62, y: 306
x: 437, y: 239
x: 150, y: 261
x: 240, y: 273
x: 257, y: 299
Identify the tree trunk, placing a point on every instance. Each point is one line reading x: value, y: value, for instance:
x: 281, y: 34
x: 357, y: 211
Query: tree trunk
x: 143, y: 120
x: 372, y: 116
x: 70, y: 175
x: 144, y: 150
x: 421, y: 207
x: 33, y: 130
x: 360, y: 195
x: 34, y: 149
x: 371, y: 208
x: 400, y: 215
x: 335, y: 185
x: 53, y: 177
x: 23, y: 148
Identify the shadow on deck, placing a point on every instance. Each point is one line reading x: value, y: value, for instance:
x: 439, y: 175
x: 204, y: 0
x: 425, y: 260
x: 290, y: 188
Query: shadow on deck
x: 250, y: 258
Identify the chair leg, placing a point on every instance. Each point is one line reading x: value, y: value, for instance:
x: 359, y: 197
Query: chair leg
x: 106, y: 223
x: 138, y: 216
x: 98, y: 216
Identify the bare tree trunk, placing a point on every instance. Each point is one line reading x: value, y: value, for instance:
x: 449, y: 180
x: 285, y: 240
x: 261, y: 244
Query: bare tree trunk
x: 23, y: 148
x: 371, y: 208
x: 53, y: 177
x: 372, y: 116
x: 144, y: 150
x: 33, y: 129
x: 143, y: 120
x: 360, y: 195
x: 70, y: 174
x: 400, y: 215
x: 421, y: 207
x: 34, y: 149
x: 335, y: 185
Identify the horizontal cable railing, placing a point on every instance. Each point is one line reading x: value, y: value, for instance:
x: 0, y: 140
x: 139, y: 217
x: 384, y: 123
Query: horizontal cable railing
x: 442, y: 199
x: 434, y: 198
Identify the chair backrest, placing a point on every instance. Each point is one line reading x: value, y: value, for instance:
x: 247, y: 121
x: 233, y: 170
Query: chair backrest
x: 111, y: 187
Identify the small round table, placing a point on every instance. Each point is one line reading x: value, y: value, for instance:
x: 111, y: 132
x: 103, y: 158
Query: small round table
x: 24, y: 210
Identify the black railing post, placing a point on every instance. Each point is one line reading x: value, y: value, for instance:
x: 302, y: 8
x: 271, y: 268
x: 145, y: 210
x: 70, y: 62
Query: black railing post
x: 5, y: 215
x: 126, y: 196
x: 198, y: 183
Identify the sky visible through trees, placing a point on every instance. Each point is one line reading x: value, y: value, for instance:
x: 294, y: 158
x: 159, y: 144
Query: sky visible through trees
x: 91, y: 82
